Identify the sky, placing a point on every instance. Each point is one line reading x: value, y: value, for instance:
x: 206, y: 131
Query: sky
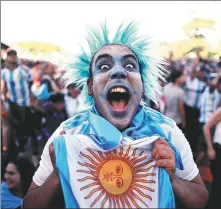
x: 64, y: 22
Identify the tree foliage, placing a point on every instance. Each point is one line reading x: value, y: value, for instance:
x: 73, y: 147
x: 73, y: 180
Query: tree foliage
x: 36, y: 47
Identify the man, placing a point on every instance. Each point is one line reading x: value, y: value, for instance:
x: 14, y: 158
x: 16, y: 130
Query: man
x: 209, y: 103
x: 194, y: 88
x: 15, y: 86
x: 114, y: 77
x: 174, y: 99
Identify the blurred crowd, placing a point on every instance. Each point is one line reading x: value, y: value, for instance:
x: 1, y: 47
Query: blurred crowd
x: 34, y: 103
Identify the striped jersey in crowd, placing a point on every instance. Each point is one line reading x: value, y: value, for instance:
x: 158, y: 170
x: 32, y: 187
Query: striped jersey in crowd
x: 193, y: 91
x: 17, y: 84
x: 209, y: 104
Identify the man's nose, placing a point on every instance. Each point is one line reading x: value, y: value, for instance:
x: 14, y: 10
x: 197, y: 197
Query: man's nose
x: 118, y: 73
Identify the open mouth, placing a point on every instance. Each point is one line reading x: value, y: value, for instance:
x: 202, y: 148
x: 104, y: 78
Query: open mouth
x: 118, y: 98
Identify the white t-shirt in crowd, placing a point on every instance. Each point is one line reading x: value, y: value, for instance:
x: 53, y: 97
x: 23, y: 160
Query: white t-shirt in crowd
x: 173, y: 95
x: 178, y: 139
x: 217, y: 135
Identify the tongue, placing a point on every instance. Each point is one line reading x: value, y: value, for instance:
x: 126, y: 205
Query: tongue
x: 118, y: 105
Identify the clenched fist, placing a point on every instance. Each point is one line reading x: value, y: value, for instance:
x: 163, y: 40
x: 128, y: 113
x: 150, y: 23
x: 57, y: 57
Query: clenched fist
x: 164, y: 156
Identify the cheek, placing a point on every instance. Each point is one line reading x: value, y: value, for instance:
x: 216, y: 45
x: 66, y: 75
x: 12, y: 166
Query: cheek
x: 136, y: 83
x: 99, y: 83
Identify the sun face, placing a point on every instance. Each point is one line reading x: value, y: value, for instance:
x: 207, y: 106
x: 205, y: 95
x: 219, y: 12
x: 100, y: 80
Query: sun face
x: 119, y: 178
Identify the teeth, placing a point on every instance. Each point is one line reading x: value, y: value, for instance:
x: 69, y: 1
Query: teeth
x: 118, y: 89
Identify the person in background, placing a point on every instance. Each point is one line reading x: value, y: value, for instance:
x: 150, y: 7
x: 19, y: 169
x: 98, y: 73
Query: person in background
x: 194, y: 88
x: 214, y: 154
x: 73, y: 100
x: 209, y: 103
x: 48, y: 70
x: 174, y: 99
x: 17, y: 179
x: 54, y: 114
x: 15, y: 81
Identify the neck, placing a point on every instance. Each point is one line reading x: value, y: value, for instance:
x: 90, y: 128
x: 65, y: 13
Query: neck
x: 12, y: 66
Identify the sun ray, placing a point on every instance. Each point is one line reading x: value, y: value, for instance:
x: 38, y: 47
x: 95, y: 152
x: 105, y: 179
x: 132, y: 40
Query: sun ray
x: 114, y: 202
x: 88, y: 165
x: 133, y: 201
x: 141, y: 193
x: 141, y: 153
x: 139, y: 160
x: 87, y: 178
x: 89, y: 185
x: 143, y: 164
x: 128, y: 150
x: 93, y: 191
x: 122, y: 202
x: 137, y: 197
x: 127, y: 202
x: 145, y: 175
x: 104, y: 201
x: 101, y: 155
x: 144, y: 169
x: 88, y: 172
x: 121, y: 151
x: 89, y: 158
x: 94, y: 155
x: 144, y: 187
x: 110, y: 202
x: 117, y: 202
x: 97, y: 198
x: 134, y: 152
x: 146, y: 181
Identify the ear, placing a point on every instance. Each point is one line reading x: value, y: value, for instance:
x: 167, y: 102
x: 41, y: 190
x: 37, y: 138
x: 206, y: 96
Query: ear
x: 90, y: 84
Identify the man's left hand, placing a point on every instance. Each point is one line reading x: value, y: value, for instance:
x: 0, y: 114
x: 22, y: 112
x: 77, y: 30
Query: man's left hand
x: 164, y: 157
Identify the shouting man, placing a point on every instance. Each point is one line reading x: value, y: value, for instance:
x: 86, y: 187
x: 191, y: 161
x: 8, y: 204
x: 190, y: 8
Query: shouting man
x: 117, y: 153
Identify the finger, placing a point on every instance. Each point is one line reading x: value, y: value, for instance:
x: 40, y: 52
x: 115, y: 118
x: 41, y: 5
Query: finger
x: 163, y: 154
x: 164, y: 163
x: 161, y: 141
x: 159, y: 147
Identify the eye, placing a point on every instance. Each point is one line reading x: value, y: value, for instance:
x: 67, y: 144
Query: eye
x: 119, y: 183
x: 129, y: 66
x: 119, y: 170
x: 105, y: 67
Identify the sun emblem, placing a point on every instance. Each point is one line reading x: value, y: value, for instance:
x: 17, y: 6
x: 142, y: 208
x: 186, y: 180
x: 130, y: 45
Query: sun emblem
x: 118, y: 178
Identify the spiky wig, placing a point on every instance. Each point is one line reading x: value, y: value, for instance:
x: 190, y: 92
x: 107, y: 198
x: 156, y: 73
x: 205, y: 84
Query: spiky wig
x: 151, y: 65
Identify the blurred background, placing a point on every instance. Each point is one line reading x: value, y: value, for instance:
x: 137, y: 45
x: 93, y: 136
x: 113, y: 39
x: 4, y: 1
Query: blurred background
x: 40, y: 39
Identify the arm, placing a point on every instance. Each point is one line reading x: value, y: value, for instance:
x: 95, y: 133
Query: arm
x: 48, y: 193
x: 195, y: 65
x: 216, y: 117
x: 191, y: 193
x: 182, y: 110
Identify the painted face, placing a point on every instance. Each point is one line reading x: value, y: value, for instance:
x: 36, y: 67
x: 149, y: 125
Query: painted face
x: 12, y: 176
x: 116, y: 84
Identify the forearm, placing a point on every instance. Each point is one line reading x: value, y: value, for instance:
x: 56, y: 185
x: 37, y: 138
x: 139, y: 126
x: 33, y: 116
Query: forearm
x: 191, y: 194
x: 42, y: 196
x: 207, y: 134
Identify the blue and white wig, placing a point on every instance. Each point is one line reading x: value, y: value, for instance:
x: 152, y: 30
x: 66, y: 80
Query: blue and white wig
x: 151, y: 64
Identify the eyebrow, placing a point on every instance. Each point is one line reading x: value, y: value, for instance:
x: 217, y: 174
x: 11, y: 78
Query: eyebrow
x: 102, y: 56
x: 130, y: 56
x: 109, y: 56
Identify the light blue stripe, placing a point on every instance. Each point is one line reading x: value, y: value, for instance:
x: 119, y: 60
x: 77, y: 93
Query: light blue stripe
x: 22, y: 87
x: 12, y: 86
x: 197, y: 94
x: 204, y: 107
x: 62, y: 166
